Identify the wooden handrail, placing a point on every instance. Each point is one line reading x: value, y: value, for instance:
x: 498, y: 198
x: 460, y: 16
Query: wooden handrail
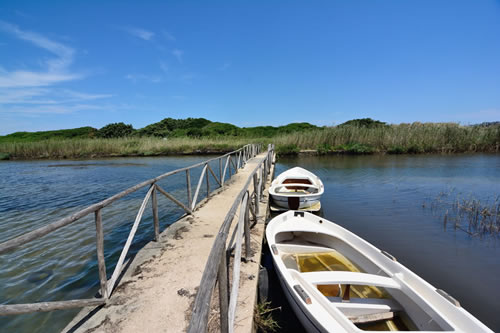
x: 107, y: 286
x: 216, y: 259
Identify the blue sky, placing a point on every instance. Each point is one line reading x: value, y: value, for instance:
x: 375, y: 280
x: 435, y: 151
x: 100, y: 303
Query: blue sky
x: 66, y: 64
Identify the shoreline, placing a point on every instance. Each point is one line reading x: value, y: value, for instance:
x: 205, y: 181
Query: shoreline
x: 303, y: 152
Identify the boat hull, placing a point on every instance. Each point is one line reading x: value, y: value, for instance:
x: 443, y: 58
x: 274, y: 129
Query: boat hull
x: 404, y: 300
x: 306, y: 201
x: 307, y: 321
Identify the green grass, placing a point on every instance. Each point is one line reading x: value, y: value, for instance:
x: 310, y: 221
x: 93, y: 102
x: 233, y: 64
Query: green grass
x: 397, y: 139
x: 412, y: 138
x: 91, y: 148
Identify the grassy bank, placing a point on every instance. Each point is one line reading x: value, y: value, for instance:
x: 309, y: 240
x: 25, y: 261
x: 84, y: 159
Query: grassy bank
x: 395, y: 139
x: 91, y: 148
x: 392, y: 139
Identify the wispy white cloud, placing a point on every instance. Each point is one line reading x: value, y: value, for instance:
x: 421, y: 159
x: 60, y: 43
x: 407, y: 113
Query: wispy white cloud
x: 139, y: 33
x: 64, y: 53
x: 50, y: 109
x: 56, y: 69
x: 32, y: 92
x: 168, y: 36
x: 178, y: 54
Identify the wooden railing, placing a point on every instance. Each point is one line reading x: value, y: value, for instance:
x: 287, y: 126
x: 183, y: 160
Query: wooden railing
x: 233, y: 160
x: 217, y: 267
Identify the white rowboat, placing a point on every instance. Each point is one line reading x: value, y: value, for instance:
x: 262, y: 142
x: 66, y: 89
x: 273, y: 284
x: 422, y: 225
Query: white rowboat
x: 297, y: 189
x: 337, y: 282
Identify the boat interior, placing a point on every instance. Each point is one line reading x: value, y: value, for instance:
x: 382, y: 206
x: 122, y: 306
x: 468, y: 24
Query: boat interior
x: 299, y: 185
x: 333, y: 273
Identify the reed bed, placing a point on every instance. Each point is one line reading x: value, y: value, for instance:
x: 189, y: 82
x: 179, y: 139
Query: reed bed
x: 395, y: 139
x: 91, y: 148
x: 470, y: 215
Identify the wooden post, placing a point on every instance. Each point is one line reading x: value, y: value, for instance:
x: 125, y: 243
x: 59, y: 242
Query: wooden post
x: 223, y: 292
x: 257, y: 195
x: 233, y: 298
x: 220, y: 171
x: 225, y: 168
x: 100, y: 254
x: 195, y: 198
x: 247, y: 229
x: 262, y: 182
x: 188, y: 182
x: 156, y: 221
x: 208, y: 182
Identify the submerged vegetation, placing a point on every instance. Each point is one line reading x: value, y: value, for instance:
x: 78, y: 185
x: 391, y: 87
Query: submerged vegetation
x: 199, y: 135
x: 470, y: 215
x: 263, y: 317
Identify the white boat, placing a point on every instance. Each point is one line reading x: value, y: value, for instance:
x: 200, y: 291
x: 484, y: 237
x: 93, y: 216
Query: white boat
x: 337, y: 282
x: 297, y: 189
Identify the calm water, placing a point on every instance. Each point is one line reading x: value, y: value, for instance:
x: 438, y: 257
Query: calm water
x: 63, y: 265
x: 378, y: 197
x: 381, y: 199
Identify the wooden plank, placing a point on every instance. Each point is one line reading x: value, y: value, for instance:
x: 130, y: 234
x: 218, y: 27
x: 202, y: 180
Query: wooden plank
x: 156, y: 221
x: 119, y: 264
x: 198, y: 187
x: 171, y: 197
x: 213, y: 174
x: 16, y: 309
x: 101, y: 263
x: 201, y: 307
x: 233, y: 298
x: 223, y: 292
x: 239, y: 160
x: 370, y: 318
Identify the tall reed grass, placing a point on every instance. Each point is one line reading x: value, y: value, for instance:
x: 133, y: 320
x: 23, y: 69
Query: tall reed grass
x: 90, y: 148
x: 393, y: 139
x: 402, y: 138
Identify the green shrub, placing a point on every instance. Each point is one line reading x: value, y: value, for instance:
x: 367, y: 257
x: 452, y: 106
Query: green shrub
x: 324, y: 148
x: 115, y: 130
x: 4, y: 156
x: 396, y: 150
x: 289, y: 149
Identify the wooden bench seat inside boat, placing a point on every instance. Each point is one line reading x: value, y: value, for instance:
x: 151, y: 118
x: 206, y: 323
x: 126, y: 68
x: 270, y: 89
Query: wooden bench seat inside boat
x: 296, y: 182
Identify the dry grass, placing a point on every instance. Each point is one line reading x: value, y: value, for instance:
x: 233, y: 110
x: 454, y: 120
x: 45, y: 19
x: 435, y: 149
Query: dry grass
x: 402, y: 138
x: 89, y: 148
x: 395, y: 139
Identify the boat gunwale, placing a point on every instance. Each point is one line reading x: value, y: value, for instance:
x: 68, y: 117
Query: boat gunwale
x: 426, y: 300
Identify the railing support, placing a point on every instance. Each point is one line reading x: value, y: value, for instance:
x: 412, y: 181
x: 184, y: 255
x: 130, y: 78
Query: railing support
x: 246, y: 221
x: 101, y: 262
x: 188, y: 184
x: 257, y: 194
x: 156, y: 221
x: 223, y: 292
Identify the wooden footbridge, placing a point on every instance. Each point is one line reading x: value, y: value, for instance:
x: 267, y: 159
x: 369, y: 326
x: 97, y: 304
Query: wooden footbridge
x: 192, y: 276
